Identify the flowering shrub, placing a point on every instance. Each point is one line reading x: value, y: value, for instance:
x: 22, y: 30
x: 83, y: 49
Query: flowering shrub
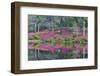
x: 52, y: 41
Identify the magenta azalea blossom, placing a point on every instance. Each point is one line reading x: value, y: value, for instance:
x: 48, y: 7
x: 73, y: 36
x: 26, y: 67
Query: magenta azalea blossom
x: 46, y: 35
x: 47, y: 47
x: 30, y: 34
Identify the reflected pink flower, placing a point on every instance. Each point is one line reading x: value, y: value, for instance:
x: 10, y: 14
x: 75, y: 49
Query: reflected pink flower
x: 57, y: 46
x: 30, y: 46
x: 80, y: 47
x: 65, y: 49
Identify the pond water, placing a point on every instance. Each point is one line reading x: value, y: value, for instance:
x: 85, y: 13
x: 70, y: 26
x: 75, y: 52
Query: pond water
x: 50, y: 45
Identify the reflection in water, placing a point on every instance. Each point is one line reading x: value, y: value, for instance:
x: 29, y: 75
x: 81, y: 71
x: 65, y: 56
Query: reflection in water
x: 56, y: 45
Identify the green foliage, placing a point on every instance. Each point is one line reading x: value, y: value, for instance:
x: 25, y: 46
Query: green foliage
x: 36, y: 37
x: 58, y: 21
x: 82, y: 41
